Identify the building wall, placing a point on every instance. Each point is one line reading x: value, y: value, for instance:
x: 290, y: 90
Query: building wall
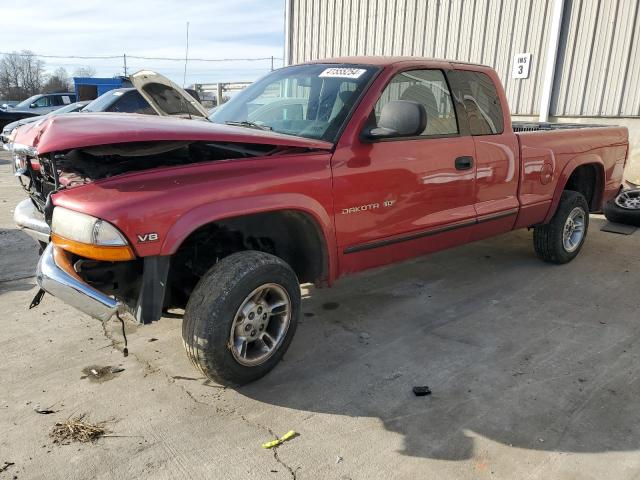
x: 598, y: 57
x: 481, y: 31
x: 598, y: 68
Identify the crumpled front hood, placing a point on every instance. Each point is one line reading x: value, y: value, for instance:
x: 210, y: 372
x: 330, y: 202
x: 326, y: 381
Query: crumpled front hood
x: 79, y: 130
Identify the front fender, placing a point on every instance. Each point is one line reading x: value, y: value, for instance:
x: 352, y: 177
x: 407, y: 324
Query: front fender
x: 237, y: 207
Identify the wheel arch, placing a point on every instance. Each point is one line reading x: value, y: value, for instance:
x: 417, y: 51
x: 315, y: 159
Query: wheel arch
x: 584, y: 174
x: 303, y: 218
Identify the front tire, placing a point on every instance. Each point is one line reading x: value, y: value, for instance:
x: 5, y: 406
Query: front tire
x: 560, y: 240
x: 241, y: 317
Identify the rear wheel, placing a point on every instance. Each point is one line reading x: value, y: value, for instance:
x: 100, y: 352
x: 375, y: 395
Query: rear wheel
x: 241, y: 317
x: 560, y: 240
x: 625, y: 208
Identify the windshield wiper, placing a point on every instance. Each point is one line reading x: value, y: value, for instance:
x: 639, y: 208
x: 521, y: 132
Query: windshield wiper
x: 247, y: 124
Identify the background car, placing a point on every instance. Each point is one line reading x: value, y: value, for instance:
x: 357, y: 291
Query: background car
x: 10, y: 127
x: 36, y: 105
x: 5, y: 104
x: 124, y: 100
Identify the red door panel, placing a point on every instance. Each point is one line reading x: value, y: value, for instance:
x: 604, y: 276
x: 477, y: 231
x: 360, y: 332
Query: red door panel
x: 498, y: 170
x: 389, y: 189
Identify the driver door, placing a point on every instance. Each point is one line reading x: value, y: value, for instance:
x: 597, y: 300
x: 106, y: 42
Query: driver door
x: 401, y: 197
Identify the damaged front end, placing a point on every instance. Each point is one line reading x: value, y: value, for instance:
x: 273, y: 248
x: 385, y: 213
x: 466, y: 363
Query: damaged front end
x: 103, y: 276
x: 88, y: 261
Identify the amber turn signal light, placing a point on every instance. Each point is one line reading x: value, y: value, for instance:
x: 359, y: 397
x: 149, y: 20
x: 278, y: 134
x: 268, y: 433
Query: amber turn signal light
x: 117, y: 253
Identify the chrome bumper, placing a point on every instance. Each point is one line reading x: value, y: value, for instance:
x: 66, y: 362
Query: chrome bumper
x: 56, y: 276
x: 30, y: 220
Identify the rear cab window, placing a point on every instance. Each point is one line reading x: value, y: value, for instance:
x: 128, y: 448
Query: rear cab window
x: 477, y: 92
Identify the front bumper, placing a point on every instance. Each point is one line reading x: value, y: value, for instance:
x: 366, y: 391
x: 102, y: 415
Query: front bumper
x: 31, y: 221
x: 55, y: 275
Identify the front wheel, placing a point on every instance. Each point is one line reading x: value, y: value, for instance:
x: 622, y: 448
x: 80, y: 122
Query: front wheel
x: 241, y: 317
x: 560, y: 240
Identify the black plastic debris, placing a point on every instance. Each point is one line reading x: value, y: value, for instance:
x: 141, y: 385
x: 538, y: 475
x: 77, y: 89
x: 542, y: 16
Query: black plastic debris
x: 44, y: 411
x: 125, y: 350
x: 421, y: 391
x: 37, y: 299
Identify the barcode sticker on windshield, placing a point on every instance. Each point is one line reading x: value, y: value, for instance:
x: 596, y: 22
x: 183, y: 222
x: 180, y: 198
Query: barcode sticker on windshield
x: 341, y: 72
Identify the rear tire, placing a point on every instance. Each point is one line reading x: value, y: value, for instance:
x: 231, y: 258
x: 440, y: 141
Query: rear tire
x: 560, y: 240
x: 629, y: 215
x: 241, y: 317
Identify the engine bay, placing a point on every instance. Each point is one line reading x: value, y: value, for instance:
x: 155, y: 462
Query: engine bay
x: 50, y: 173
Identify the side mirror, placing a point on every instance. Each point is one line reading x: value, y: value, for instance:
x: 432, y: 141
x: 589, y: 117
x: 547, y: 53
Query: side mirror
x: 33, y: 105
x: 400, y: 118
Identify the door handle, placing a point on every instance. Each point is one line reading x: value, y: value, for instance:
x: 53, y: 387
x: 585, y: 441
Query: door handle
x: 464, y: 163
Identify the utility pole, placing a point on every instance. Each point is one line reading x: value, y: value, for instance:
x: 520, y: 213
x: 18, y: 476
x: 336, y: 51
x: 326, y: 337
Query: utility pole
x: 272, y: 63
x: 186, y: 56
x: 219, y: 90
x: 124, y: 57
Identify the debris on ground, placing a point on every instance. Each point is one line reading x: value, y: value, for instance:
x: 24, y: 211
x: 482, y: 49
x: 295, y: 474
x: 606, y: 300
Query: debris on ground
x: 152, y: 339
x: 274, y: 443
x: 44, y: 411
x: 338, y: 459
x: 421, y: 391
x: 5, y: 465
x: 76, y: 430
x: 96, y: 373
x: 330, y: 305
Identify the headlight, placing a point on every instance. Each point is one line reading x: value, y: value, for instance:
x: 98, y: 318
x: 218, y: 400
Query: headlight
x: 19, y: 164
x: 21, y: 154
x: 88, y: 236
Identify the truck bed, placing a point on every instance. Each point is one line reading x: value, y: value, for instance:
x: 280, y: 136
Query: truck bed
x: 537, y: 126
x: 550, y: 153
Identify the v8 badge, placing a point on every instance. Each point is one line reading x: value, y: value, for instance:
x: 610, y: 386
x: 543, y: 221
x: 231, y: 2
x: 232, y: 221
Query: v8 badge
x: 147, y: 237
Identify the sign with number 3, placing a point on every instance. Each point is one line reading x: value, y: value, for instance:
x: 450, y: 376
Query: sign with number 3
x: 521, y: 64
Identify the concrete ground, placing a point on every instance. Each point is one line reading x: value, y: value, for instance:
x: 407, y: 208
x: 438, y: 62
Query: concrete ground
x: 533, y: 367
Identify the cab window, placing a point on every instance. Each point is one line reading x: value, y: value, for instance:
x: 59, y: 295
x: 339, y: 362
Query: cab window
x: 42, y: 102
x: 429, y: 88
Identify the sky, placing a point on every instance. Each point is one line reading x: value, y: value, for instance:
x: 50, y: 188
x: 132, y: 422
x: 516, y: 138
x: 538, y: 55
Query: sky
x: 149, y: 28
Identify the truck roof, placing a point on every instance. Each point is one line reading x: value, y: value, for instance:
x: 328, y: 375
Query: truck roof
x: 383, y: 61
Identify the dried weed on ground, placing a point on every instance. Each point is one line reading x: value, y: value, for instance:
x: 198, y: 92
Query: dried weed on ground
x: 76, y: 430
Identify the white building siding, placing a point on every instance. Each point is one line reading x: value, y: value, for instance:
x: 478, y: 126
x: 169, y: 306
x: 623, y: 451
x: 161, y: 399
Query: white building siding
x: 598, y: 63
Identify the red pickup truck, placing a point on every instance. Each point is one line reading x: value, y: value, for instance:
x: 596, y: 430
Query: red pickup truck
x: 313, y: 172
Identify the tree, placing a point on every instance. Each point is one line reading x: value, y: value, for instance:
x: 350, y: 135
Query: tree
x: 58, y: 81
x: 21, y: 75
x: 86, y: 71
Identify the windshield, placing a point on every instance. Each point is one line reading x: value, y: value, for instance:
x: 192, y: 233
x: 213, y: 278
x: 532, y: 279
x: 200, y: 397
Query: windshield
x: 104, y: 101
x: 72, y: 107
x: 27, y: 102
x: 311, y: 101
